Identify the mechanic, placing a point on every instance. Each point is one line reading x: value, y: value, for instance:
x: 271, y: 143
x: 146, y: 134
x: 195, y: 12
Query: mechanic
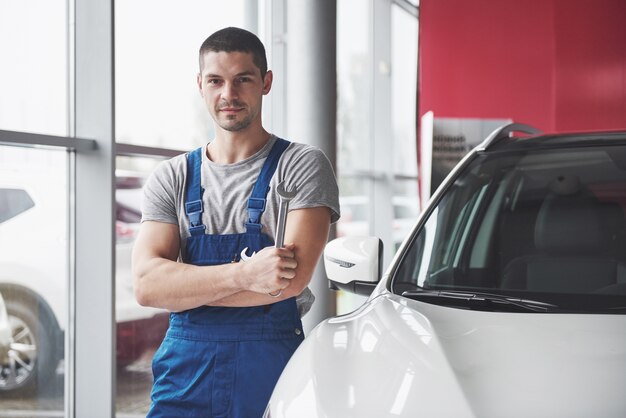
x: 233, y: 324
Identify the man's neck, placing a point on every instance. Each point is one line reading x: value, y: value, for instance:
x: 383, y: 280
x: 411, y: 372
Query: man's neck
x: 232, y: 147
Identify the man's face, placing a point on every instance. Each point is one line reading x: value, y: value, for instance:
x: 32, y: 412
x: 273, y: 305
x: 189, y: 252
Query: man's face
x: 232, y: 88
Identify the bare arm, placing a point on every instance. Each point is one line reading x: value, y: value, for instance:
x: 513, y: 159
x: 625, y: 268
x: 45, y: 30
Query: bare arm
x: 162, y: 282
x: 307, y: 231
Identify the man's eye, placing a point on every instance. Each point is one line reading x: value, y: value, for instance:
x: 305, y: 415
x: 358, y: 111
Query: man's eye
x: 244, y: 79
x: 213, y: 82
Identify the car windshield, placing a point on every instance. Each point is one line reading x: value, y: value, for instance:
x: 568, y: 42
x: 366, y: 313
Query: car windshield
x: 544, y: 225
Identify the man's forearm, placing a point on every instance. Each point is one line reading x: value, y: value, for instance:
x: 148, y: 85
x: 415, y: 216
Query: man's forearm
x: 163, y: 283
x: 248, y: 298
x: 178, y: 286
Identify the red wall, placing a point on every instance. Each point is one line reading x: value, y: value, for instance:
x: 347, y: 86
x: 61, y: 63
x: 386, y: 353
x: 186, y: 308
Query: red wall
x: 559, y: 65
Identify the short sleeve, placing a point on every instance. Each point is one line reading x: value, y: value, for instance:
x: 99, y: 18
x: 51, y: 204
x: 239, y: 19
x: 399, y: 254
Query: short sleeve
x: 310, y: 171
x: 159, y: 195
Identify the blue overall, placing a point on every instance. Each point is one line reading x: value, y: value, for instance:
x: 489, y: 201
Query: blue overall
x: 224, y: 361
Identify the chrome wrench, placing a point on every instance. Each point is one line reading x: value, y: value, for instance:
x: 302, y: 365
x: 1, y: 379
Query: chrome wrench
x: 285, y: 196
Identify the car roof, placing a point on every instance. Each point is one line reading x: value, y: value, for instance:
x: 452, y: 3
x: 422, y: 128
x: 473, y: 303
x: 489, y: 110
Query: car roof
x: 504, y: 139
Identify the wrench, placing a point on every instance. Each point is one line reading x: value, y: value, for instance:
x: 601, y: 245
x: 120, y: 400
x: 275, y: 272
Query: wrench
x: 283, y: 208
x: 285, y: 197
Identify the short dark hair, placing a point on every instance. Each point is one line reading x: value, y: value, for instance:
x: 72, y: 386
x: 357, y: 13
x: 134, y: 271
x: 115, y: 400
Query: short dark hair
x: 233, y: 39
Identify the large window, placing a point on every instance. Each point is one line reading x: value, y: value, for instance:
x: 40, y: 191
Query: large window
x: 376, y: 150
x: 404, y: 38
x: 34, y: 209
x: 34, y: 262
x: 33, y: 74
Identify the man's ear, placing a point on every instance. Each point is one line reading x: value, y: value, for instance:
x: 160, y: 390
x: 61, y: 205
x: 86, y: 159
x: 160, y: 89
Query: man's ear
x: 199, y: 81
x: 267, y: 82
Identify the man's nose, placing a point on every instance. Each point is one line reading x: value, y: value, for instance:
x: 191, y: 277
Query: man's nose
x: 229, y: 91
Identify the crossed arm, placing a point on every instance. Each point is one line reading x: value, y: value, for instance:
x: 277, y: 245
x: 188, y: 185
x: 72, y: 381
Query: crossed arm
x: 160, y: 281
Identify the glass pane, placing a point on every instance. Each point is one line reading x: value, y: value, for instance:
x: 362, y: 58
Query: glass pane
x: 33, y: 74
x: 33, y: 280
x: 354, y: 86
x: 356, y: 212
x: 405, y: 209
x: 355, y: 207
x: 156, y: 96
x: 139, y: 329
x: 404, y: 36
x: 404, y: 41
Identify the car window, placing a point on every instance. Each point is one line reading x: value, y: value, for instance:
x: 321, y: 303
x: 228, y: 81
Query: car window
x: 551, y: 223
x: 13, y: 202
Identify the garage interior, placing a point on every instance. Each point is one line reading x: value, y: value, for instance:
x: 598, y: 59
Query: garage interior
x: 98, y: 92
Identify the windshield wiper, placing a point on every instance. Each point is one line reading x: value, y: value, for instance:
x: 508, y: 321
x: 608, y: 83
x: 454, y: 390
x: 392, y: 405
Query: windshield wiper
x: 480, y: 301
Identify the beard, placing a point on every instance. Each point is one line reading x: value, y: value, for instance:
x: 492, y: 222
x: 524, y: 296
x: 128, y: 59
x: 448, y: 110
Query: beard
x: 232, y: 123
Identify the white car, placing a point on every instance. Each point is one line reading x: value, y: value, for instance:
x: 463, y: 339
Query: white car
x: 508, y: 299
x: 34, y: 274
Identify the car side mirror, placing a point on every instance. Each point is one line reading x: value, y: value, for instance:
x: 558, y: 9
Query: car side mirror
x: 354, y: 264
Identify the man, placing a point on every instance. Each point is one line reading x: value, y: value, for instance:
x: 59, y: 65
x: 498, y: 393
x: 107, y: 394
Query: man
x: 233, y: 324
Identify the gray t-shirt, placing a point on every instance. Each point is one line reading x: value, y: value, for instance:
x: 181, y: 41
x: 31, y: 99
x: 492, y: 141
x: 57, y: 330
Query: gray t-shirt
x: 227, y: 188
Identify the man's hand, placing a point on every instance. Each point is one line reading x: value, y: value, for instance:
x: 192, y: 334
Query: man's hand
x: 307, y: 232
x: 269, y: 270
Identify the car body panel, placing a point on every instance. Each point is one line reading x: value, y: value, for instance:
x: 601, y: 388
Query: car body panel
x: 394, y: 356
x: 36, y: 261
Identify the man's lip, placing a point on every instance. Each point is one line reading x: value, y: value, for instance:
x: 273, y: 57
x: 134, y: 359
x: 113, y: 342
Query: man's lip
x: 231, y: 109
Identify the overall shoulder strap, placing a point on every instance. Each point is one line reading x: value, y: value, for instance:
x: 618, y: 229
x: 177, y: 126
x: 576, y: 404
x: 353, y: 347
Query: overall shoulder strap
x: 256, y: 202
x: 194, y: 192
